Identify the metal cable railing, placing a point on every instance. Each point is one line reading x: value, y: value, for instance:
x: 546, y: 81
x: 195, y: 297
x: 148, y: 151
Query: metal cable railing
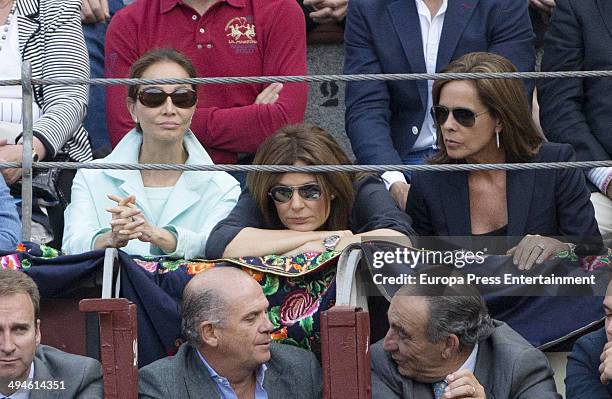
x: 27, y: 165
x: 321, y: 78
x: 313, y: 168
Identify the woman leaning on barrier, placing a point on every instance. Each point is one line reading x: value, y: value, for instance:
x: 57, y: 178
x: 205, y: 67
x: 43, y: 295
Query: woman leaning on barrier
x: 293, y: 213
x: 488, y: 121
x: 151, y: 212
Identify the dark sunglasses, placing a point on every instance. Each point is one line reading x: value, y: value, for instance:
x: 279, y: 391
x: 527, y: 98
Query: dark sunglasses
x: 182, y: 98
x: 463, y: 116
x: 309, y: 192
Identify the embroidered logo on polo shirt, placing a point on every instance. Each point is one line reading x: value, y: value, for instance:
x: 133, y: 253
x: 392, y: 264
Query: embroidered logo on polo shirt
x: 241, y: 34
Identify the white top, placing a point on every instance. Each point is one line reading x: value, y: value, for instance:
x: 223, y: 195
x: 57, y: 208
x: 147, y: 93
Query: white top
x: 431, y: 31
x: 157, y: 196
x: 10, y: 96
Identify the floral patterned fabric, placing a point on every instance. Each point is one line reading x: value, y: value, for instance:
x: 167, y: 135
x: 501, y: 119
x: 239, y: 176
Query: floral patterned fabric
x: 298, y: 289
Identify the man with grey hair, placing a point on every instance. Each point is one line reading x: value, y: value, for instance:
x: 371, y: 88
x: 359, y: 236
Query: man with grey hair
x: 228, y: 353
x: 442, y: 343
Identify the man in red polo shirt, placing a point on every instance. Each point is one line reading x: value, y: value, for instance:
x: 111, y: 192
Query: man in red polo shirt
x: 222, y: 38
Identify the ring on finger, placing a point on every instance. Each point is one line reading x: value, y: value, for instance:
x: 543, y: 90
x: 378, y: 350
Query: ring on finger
x: 542, y: 247
x: 473, y: 390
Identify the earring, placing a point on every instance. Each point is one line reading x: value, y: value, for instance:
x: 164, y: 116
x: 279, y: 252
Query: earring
x: 497, y: 137
x: 135, y: 120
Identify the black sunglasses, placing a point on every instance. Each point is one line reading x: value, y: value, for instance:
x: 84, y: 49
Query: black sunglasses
x: 463, y: 116
x: 153, y: 97
x: 309, y: 191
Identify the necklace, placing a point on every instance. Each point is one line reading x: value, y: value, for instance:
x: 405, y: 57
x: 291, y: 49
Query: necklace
x: 5, y: 28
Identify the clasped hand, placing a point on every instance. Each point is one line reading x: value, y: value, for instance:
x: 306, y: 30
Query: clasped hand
x: 127, y: 221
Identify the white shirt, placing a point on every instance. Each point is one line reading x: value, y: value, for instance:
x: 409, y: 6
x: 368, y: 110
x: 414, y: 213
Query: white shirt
x: 431, y: 31
x: 10, y: 96
x: 470, y: 362
x: 600, y: 177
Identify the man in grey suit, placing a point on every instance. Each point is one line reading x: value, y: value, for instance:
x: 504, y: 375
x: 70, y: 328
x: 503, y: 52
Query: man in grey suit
x: 228, y: 353
x: 442, y: 344
x: 29, y: 370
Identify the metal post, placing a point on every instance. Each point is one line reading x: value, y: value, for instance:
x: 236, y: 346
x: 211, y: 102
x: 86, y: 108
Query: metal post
x: 26, y: 165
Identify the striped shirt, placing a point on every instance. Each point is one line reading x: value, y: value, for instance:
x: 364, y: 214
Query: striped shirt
x: 51, y: 38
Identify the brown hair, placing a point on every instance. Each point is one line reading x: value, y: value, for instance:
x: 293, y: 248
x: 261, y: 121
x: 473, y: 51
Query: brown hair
x: 504, y: 98
x: 153, y: 57
x: 16, y: 282
x: 310, y: 145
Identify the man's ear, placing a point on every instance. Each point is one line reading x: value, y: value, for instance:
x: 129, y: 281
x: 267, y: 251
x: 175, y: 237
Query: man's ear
x: 37, y: 331
x: 450, y: 346
x: 209, y: 334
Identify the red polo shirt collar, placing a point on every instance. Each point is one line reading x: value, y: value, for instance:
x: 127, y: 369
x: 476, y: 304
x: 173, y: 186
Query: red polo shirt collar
x: 168, y: 5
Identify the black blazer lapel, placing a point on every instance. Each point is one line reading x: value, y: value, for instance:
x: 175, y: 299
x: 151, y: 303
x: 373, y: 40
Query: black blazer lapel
x: 454, y: 195
x: 519, y: 191
x: 605, y: 10
x: 405, y: 19
x: 458, y: 13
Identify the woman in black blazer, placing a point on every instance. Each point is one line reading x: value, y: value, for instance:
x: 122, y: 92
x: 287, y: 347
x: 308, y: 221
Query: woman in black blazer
x: 489, y: 121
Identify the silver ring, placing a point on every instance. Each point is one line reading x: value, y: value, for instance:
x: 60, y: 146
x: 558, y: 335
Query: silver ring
x: 473, y: 390
x: 542, y: 247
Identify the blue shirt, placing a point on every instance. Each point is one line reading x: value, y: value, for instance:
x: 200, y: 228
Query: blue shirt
x: 224, y: 387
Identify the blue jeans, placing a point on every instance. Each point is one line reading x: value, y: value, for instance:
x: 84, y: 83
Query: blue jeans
x: 95, y: 120
x: 417, y: 158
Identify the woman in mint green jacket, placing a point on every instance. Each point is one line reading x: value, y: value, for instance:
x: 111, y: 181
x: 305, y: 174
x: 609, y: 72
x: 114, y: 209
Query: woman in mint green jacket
x: 168, y: 213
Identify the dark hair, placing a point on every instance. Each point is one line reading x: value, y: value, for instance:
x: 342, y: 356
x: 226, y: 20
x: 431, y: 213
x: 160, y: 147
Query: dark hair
x: 457, y: 309
x: 504, y: 98
x: 16, y: 282
x: 153, y: 57
x: 311, y: 145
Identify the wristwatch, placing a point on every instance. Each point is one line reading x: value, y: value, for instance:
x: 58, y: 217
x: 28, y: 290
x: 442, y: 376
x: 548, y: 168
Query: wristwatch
x: 571, y: 248
x: 330, y: 242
